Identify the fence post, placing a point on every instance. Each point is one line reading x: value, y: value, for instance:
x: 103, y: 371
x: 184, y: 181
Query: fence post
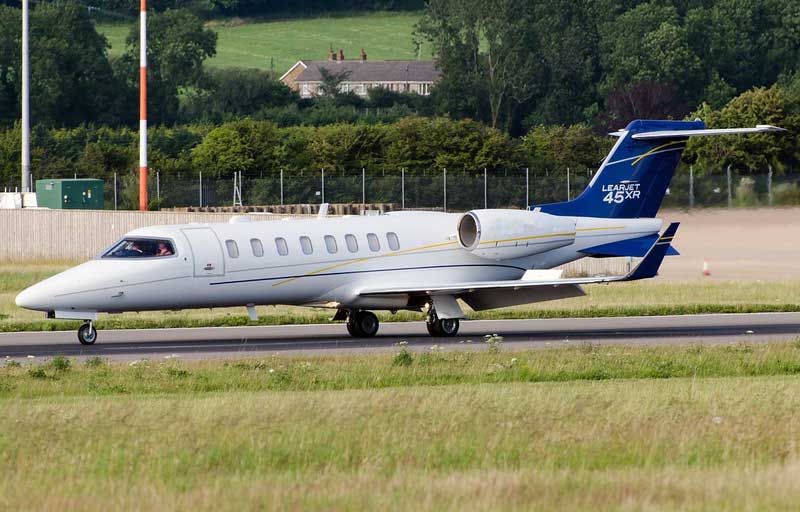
x: 485, y: 195
x: 281, y: 187
x: 115, y: 191
x: 691, y: 186
x: 402, y: 188
x: 363, y: 187
x: 527, y: 188
x: 769, y: 185
x: 444, y: 178
x: 323, y: 185
x: 158, y: 190
x: 201, y: 189
x: 730, y: 198
x: 568, y: 190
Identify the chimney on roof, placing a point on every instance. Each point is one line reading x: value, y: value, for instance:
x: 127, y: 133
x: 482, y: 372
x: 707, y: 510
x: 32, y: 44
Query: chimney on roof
x: 341, y: 54
x: 331, y: 55
x: 363, y: 55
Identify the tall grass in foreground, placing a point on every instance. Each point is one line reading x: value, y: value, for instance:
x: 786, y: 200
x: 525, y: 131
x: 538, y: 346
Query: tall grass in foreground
x: 59, y: 377
x: 611, y: 428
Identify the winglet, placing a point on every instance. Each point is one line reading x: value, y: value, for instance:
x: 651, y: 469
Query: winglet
x: 651, y: 262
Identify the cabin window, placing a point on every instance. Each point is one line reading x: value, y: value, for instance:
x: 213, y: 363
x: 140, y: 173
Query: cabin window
x: 233, y: 249
x: 283, y: 248
x: 258, y: 248
x: 140, y: 248
x: 330, y: 244
x: 305, y: 244
x: 394, y: 242
x: 372, y: 241
x: 352, y: 243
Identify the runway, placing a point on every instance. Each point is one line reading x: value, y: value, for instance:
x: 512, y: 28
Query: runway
x: 231, y: 342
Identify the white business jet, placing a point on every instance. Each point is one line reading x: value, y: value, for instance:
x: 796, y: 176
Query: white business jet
x: 421, y: 261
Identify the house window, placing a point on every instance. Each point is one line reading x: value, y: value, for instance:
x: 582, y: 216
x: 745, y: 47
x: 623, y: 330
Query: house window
x: 330, y: 244
x: 258, y: 248
x: 344, y: 87
x: 352, y: 243
x: 233, y: 249
x: 304, y: 92
x: 426, y: 89
x: 372, y: 241
x: 283, y: 248
x: 394, y: 242
x: 305, y: 244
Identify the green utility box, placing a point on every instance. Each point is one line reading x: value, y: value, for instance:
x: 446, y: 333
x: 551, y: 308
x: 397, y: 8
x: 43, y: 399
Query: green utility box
x: 78, y: 194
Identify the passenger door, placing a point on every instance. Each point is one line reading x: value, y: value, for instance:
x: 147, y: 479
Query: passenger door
x: 206, y: 251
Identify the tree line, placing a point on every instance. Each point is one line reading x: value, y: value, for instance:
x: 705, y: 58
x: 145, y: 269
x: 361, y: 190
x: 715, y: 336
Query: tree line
x: 516, y: 64
x: 414, y: 143
x: 512, y: 64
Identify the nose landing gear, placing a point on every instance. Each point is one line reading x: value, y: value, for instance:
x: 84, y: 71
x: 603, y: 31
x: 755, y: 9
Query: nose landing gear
x: 87, y: 334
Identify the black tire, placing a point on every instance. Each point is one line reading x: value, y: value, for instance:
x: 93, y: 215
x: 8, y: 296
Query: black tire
x: 433, y: 327
x: 445, y: 327
x: 87, y: 334
x: 363, y: 324
x: 448, y: 326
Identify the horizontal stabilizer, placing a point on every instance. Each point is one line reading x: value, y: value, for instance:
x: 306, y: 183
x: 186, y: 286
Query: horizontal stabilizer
x: 671, y: 134
x: 634, y: 247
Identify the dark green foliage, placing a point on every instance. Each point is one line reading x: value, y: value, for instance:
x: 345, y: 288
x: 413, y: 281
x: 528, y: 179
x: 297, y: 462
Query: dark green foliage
x: 61, y: 364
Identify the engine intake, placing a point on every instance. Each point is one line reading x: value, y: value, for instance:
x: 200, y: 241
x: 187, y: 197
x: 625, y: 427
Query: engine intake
x: 506, y: 234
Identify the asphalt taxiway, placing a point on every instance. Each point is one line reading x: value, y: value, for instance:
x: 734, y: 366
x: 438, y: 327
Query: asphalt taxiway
x: 231, y: 342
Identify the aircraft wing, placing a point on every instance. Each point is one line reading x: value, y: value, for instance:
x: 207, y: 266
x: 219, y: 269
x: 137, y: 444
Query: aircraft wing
x: 491, y: 294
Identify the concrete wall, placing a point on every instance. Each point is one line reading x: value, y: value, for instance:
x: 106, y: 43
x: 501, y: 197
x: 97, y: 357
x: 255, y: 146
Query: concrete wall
x: 77, y: 235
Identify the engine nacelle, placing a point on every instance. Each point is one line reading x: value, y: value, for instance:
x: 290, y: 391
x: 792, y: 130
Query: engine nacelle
x: 508, y: 234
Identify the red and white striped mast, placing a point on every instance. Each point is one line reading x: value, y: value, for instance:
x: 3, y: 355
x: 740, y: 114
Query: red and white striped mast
x: 143, y: 106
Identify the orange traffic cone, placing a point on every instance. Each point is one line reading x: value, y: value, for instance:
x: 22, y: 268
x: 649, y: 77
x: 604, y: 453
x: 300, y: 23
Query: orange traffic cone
x: 706, y: 271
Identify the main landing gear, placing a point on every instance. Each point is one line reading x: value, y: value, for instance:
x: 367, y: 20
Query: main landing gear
x: 87, y: 334
x: 445, y: 327
x: 362, y: 324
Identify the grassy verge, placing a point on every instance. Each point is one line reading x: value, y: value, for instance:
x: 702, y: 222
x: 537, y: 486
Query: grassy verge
x: 553, y: 429
x: 623, y: 299
x: 281, y: 43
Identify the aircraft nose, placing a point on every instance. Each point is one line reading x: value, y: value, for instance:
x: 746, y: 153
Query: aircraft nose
x: 34, y: 297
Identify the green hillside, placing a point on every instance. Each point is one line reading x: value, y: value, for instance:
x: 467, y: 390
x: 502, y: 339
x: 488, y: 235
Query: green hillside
x: 253, y: 44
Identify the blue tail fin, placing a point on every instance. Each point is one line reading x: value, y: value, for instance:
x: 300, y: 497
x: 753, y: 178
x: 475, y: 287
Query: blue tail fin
x: 634, y: 177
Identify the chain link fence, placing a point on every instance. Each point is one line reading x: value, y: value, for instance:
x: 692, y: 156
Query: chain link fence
x: 441, y: 189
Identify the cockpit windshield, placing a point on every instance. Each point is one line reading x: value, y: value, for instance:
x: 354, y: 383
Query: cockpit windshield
x: 140, y: 248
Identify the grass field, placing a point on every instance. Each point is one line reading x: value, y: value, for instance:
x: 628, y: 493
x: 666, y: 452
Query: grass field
x: 652, y: 297
x: 611, y: 428
x: 259, y: 44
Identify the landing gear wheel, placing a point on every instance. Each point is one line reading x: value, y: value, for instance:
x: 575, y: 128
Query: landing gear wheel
x: 446, y: 327
x: 87, y: 334
x: 362, y: 324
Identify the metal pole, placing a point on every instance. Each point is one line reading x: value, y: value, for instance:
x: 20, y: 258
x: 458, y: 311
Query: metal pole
x: 769, y: 185
x: 691, y: 186
x: 143, y: 106
x: 403, y: 188
x: 201, y: 189
x: 281, y: 187
x: 26, y: 121
x: 158, y: 190
x: 363, y: 186
x: 444, y: 178
x: 527, y: 189
x: 730, y: 199
x: 323, y: 185
x: 115, y: 191
x: 568, y: 191
x: 485, y: 195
